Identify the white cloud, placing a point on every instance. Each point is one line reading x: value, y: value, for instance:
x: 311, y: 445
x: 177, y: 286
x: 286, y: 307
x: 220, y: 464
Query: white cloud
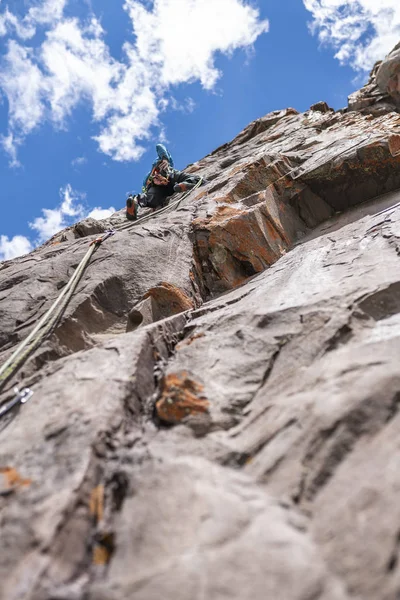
x: 24, y: 85
x: 73, y: 64
x: 187, y: 106
x: 16, y: 246
x: 70, y: 210
x: 181, y: 38
x: 361, y: 31
x: 79, y: 161
x: 47, y: 13
x: 99, y: 213
x: 10, y: 22
x: 79, y: 67
x: 55, y: 219
x: 10, y: 145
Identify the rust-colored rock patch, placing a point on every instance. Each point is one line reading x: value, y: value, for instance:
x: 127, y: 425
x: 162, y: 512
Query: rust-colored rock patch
x: 159, y: 302
x: 11, y: 480
x: 96, y: 503
x: 394, y: 145
x: 240, y: 242
x: 181, y: 397
x: 170, y: 299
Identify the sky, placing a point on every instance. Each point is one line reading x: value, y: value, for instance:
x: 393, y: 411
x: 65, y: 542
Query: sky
x: 88, y: 87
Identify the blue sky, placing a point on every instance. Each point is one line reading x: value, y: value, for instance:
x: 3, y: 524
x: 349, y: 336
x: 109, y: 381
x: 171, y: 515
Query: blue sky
x: 89, y: 87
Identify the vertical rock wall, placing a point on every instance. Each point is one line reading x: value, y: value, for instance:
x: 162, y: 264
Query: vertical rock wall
x: 216, y: 414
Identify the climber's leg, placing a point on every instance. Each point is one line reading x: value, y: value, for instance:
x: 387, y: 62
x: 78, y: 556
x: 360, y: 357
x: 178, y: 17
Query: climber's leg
x: 183, y: 181
x: 156, y: 196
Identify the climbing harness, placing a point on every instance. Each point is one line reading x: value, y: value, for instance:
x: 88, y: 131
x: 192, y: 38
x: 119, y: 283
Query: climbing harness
x: 159, y: 174
x: 21, y: 397
x: 50, y: 318
x: 159, y: 179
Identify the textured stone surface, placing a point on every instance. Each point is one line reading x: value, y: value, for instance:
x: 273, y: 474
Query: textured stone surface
x: 388, y: 76
x: 217, y: 413
x: 372, y: 99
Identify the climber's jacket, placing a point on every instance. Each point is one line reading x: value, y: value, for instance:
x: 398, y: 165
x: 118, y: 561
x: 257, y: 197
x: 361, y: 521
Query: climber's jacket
x: 165, y: 161
x: 156, y: 194
x: 160, y: 183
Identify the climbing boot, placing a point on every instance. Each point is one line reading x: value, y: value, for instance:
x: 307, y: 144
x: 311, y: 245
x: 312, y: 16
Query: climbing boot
x: 131, y: 208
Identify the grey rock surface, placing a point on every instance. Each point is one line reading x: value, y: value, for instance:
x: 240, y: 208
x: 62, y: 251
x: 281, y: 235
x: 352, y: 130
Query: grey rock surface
x: 388, y: 76
x: 216, y: 414
x: 373, y: 98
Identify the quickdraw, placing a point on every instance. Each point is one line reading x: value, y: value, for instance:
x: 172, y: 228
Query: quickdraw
x: 21, y: 397
x: 102, y: 239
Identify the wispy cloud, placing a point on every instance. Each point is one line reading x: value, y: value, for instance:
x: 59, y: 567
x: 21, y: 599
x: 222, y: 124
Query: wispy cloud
x: 73, y: 64
x: 10, y: 144
x: 47, y: 13
x: 186, y: 107
x: 71, y: 208
x: 79, y: 161
x: 101, y: 213
x: 15, y: 246
x: 361, y: 31
x: 54, y: 219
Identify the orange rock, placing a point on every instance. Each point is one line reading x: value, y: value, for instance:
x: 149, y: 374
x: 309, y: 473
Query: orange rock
x: 101, y: 555
x: 170, y: 299
x: 103, y: 550
x: 12, y: 478
x: 394, y: 145
x: 180, y: 398
x: 242, y: 242
x: 96, y: 503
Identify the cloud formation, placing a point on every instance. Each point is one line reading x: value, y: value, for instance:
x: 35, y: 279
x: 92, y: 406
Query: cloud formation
x: 15, y: 246
x: 54, y: 219
x: 361, y: 31
x: 99, y: 213
x: 70, y: 210
x: 180, y: 39
x: 79, y: 161
x: 73, y: 64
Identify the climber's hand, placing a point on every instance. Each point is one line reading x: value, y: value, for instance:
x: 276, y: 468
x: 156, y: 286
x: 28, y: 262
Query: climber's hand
x: 159, y: 179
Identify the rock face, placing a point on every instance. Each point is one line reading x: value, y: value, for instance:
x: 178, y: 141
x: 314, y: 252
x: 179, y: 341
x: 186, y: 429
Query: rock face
x: 216, y: 415
x: 388, y: 76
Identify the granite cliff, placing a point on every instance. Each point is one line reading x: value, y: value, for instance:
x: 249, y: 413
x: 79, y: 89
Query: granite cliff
x: 216, y: 415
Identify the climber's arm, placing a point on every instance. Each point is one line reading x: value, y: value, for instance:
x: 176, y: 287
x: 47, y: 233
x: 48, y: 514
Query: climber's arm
x: 145, y: 180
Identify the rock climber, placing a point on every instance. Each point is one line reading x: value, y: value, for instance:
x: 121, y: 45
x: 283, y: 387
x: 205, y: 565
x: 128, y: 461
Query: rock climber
x: 160, y: 183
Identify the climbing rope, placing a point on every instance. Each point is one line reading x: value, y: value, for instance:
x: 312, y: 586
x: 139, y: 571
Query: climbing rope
x: 50, y: 318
